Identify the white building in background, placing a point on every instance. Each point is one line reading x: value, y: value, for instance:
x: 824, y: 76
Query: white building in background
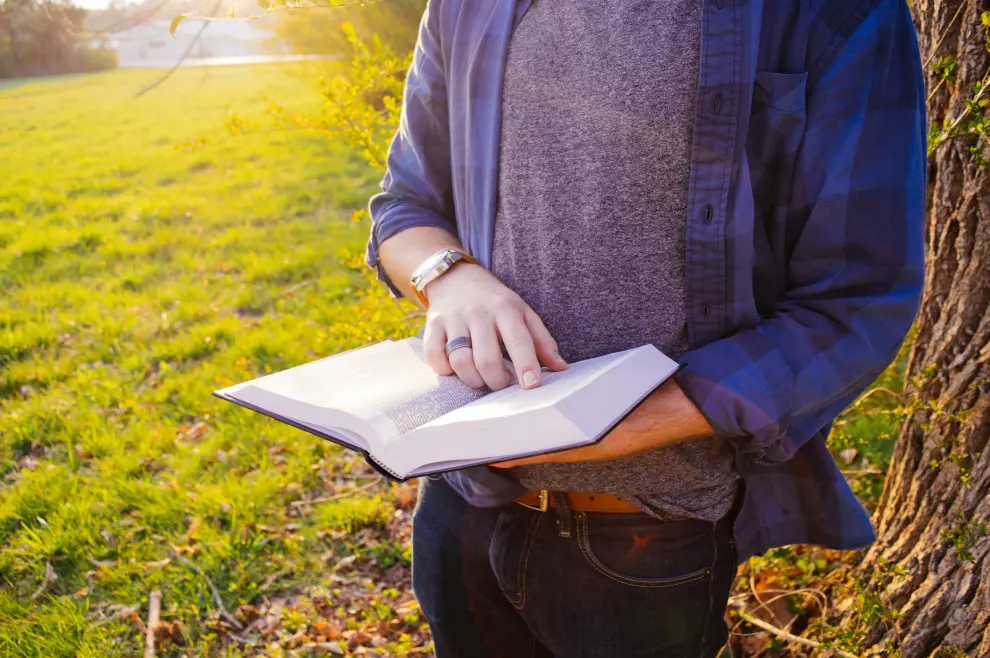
x: 223, y: 41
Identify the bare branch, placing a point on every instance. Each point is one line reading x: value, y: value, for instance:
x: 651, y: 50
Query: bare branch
x: 935, y: 48
x: 289, y: 7
x: 154, y: 612
x: 213, y: 589
x: 129, y: 22
x: 185, y: 55
x: 50, y: 577
x: 790, y: 637
x: 345, y: 494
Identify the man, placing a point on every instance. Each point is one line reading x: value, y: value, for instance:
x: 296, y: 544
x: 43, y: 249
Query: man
x: 741, y: 184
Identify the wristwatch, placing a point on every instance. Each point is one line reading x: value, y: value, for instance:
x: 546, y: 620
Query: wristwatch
x: 433, y: 267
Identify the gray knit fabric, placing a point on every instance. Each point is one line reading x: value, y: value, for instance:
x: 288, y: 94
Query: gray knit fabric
x: 597, y: 115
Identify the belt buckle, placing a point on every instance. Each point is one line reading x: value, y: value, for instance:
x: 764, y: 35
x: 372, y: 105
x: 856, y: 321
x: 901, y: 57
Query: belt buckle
x: 544, y: 496
x: 544, y: 499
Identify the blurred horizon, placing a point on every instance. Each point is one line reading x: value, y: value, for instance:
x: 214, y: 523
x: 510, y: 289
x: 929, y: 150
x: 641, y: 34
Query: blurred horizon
x: 94, y: 5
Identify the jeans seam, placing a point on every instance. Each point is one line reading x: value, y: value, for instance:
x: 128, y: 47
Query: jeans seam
x: 584, y: 544
x: 491, y: 544
x: 524, y: 563
x: 711, y: 593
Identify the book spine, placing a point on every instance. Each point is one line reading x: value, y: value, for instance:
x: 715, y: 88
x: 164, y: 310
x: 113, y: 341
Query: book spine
x: 383, y: 469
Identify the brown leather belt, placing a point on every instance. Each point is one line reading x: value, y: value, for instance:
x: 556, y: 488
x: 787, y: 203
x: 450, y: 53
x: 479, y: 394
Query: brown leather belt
x: 541, y: 500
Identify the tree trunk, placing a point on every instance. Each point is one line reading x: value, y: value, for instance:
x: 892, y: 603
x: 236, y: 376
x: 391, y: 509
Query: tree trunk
x: 931, y: 563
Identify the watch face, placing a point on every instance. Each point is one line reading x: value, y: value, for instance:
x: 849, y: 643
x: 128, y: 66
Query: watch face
x: 449, y: 258
x: 438, y: 262
x: 434, y: 266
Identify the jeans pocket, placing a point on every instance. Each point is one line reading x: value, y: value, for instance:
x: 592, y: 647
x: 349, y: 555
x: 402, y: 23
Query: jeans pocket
x: 645, y: 561
x: 512, y: 542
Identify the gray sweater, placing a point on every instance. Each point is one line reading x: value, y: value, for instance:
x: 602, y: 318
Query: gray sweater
x: 597, y: 112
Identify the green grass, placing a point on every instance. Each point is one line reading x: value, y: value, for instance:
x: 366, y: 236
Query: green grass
x: 147, y: 257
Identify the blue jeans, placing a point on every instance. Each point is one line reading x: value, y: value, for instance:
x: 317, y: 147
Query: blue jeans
x: 514, y: 582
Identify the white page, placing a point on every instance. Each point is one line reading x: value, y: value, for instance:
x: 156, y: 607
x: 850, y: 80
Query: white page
x: 569, y: 409
x: 554, y: 387
x: 388, y: 387
x: 513, y: 421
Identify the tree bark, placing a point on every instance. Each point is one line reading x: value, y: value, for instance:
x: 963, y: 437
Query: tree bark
x: 931, y: 563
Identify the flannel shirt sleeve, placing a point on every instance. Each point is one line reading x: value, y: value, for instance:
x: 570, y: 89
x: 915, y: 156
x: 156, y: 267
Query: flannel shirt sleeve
x: 417, y: 189
x: 856, y: 266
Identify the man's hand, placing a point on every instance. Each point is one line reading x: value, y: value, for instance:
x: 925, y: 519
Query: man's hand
x: 667, y: 416
x: 468, y: 301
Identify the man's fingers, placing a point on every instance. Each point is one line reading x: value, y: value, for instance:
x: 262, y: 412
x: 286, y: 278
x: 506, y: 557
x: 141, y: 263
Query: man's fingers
x: 488, y: 354
x: 519, y: 344
x: 462, y: 359
x: 434, y: 340
x: 543, y: 342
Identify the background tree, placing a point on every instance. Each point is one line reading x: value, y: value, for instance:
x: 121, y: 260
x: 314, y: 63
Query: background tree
x: 925, y: 585
x: 39, y: 37
x: 318, y: 31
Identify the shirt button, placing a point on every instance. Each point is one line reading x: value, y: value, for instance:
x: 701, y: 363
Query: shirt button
x: 718, y: 4
x: 709, y: 212
x: 718, y: 104
x: 704, y: 310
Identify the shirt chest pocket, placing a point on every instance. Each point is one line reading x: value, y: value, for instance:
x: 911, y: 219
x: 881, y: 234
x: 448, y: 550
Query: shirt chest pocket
x: 776, y: 126
x: 776, y: 129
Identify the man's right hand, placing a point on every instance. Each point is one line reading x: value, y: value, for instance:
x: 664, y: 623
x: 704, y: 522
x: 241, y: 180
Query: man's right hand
x: 468, y: 301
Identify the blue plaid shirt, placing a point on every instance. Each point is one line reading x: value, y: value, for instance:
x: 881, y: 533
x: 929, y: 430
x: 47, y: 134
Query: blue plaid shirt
x: 805, y: 217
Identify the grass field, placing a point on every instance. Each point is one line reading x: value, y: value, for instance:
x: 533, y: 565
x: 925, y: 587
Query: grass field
x: 147, y: 257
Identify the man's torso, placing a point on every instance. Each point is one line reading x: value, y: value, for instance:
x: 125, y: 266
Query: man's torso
x: 594, y: 163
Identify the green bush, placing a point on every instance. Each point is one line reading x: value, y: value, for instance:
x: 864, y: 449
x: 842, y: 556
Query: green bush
x: 90, y: 60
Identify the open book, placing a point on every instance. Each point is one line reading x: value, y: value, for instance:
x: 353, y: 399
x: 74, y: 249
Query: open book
x: 385, y: 401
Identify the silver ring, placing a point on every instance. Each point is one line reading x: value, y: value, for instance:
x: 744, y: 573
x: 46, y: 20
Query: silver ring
x: 457, y: 343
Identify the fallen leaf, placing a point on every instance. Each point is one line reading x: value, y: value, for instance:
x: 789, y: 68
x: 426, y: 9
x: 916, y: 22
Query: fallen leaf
x: 194, y: 525
x: 321, y: 648
x: 345, y: 562
x: 193, y: 431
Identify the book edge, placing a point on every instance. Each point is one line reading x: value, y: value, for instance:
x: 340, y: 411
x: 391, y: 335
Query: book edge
x: 371, y: 461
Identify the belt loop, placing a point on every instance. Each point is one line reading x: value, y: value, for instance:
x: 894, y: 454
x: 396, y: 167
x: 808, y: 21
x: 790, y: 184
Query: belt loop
x: 563, y: 507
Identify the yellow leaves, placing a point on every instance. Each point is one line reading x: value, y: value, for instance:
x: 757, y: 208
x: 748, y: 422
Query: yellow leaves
x: 363, y: 107
x: 351, y: 34
x: 174, y: 25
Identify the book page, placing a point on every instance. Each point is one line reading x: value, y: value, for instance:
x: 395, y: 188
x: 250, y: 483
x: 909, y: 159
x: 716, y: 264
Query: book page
x: 554, y: 386
x: 446, y: 394
x: 569, y: 408
x: 386, y: 390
